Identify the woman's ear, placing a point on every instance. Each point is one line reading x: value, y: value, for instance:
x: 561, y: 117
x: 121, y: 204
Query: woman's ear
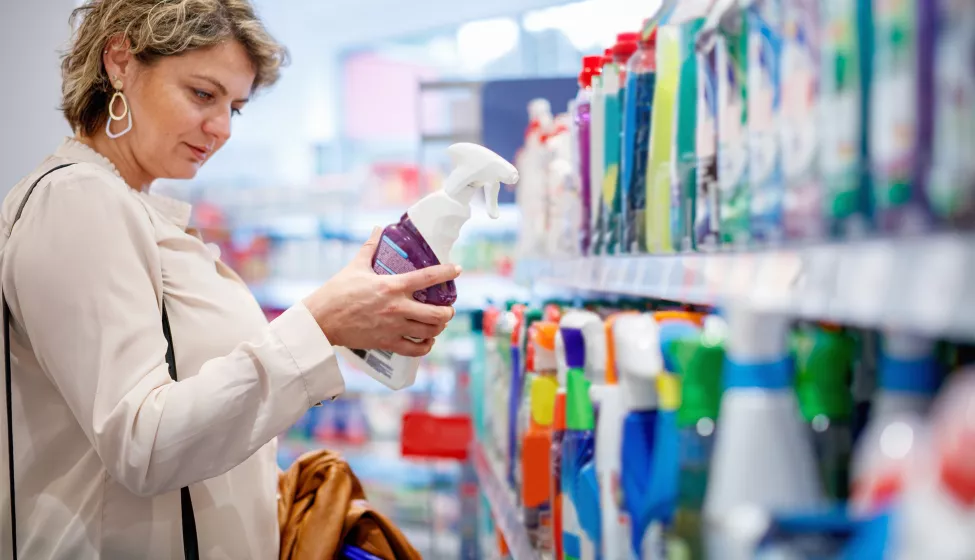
x: 117, y: 59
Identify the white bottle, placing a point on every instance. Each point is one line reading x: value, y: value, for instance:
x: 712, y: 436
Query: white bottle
x: 531, y: 195
x: 935, y: 517
x: 639, y: 364
x: 425, y: 236
x: 763, y: 459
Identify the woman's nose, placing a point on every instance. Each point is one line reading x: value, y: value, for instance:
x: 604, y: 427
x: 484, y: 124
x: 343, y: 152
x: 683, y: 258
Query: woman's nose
x: 218, y: 126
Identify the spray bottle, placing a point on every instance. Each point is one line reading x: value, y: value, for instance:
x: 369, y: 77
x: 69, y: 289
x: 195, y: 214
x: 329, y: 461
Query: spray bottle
x: 424, y: 237
x: 536, y: 442
x: 638, y: 363
x: 824, y: 365
x: 608, y: 397
x: 578, y: 441
x: 909, y: 377
x: 700, y: 361
x: 555, y: 472
x: 763, y: 461
x: 937, y: 512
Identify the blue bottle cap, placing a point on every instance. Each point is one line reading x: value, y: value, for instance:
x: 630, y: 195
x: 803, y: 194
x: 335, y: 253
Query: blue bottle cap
x: 575, y: 347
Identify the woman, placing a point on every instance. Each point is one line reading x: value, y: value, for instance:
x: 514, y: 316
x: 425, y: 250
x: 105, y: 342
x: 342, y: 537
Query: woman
x: 103, y: 438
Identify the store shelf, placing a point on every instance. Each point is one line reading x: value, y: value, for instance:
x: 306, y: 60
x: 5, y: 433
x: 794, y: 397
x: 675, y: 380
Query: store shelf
x: 923, y: 284
x: 503, y: 508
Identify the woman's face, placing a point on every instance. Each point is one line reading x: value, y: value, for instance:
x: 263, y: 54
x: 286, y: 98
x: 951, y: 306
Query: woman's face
x: 182, y: 107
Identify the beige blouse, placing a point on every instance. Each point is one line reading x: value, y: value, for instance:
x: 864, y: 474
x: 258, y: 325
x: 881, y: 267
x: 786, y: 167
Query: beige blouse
x: 103, y: 438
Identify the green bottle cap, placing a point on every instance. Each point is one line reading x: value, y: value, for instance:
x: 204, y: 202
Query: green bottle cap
x: 700, y: 362
x: 578, y: 406
x: 824, y: 362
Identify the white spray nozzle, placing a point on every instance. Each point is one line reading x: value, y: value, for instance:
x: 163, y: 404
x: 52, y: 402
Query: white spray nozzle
x: 477, y: 166
x: 638, y: 359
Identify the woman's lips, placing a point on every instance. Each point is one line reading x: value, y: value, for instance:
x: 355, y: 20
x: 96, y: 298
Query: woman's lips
x: 199, y: 153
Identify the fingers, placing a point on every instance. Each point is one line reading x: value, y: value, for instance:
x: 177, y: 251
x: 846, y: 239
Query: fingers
x: 426, y: 277
x: 364, y: 256
x: 406, y: 347
x: 425, y: 313
x: 422, y: 331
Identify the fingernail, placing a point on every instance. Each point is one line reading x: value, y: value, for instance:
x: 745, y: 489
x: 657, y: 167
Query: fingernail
x: 458, y: 268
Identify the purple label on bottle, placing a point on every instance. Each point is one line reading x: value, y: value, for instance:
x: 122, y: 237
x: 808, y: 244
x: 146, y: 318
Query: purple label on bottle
x: 391, y: 259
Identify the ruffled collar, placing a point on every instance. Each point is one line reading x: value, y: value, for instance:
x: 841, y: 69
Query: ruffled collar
x: 176, y: 211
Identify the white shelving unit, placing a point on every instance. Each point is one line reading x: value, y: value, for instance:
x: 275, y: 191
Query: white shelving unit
x: 503, y: 505
x: 923, y: 284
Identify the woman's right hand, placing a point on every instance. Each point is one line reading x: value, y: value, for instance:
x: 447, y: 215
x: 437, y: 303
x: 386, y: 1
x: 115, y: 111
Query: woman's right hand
x: 360, y: 309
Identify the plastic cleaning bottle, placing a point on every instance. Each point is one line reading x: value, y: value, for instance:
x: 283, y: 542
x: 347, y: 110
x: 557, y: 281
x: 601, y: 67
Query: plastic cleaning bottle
x: 608, y: 399
x: 937, y: 512
x: 733, y: 176
x: 532, y: 164
x: 537, y: 440
x: 638, y: 363
x: 613, y: 74
x: 699, y: 362
x: 909, y: 377
x: 597, y: 155
x: 824, y: 365
x: 707, y: 200
x: 900, y: 113
x: 563, y: 189
x: 882, y: 460
x: 659, y: 165
x: 684, y: 185
x: 951, y: 184
x: 763, y: 460
x: 577, y: 442
x: 582, y: 123
x: 641, y: 78
x: 799, y: 120
x: 555, y: 469
x: 517, y: 407
x: 764, y: 103
x: 424, y: 237
x: 844, y: 89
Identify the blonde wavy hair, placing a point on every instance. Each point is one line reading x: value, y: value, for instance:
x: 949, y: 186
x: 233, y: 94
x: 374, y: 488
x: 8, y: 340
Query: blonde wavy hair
x: 155, y: 29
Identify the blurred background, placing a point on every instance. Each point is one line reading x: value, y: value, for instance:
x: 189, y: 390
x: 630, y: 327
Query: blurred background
x: 817, y: 226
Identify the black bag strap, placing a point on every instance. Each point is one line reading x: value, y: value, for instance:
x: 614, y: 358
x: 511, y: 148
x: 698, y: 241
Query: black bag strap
x: 191, y: 547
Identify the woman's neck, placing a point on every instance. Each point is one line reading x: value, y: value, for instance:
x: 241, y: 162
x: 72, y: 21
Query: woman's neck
x: 120, y: 154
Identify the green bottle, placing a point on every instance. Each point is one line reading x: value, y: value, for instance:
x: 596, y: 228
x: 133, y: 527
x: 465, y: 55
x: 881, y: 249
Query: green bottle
x: 699, y: 362
x: 824, y: 365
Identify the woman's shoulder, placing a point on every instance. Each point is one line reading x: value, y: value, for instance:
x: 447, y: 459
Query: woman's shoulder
x: 68, y: 192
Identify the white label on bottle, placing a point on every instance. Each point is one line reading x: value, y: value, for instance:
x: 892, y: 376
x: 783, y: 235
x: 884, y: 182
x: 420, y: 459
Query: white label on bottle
x: 892, y: 118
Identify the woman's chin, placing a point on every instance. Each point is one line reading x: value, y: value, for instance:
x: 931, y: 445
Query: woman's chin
x: 185, y: 170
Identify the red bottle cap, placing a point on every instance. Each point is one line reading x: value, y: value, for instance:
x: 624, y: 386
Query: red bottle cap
x: 627, y: 37
x: 591, y: 65
x: 623, y: 51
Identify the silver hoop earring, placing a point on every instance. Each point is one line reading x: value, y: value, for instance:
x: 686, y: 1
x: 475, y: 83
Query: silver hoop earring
x: 111, y: 112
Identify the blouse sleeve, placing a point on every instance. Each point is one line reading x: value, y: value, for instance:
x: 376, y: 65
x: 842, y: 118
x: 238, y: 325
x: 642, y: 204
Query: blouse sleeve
x: 81, y: 285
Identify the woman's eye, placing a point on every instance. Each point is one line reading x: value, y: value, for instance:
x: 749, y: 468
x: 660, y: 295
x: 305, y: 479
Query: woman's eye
x: 203, y: 95
x: 234, y: 112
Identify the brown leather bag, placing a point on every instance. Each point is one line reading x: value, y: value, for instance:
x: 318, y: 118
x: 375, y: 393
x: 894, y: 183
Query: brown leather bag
x: 322, y: 507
